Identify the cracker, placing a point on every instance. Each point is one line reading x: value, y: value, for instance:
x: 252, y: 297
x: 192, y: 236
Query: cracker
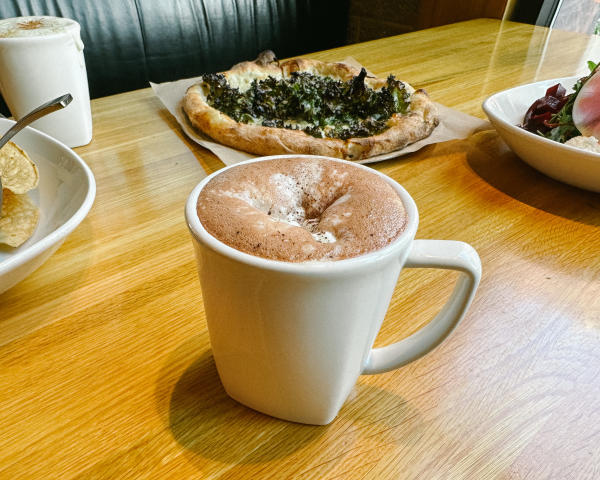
x: 17, y: 172
x: 18, y: 219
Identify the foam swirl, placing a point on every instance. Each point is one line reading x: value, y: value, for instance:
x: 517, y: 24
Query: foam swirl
x: 301, y: 209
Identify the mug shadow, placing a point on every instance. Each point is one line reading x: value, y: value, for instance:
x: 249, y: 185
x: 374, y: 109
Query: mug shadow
x: 208, y: 424
x: 494, y: 162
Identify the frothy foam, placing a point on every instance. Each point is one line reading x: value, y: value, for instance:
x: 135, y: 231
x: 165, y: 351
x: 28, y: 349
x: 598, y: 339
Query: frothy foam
x: 22, y: 27
x: 299, y: 209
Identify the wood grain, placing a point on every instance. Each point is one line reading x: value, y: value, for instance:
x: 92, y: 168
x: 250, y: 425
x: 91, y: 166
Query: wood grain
x: 433, y: 13
x: 105, y: 364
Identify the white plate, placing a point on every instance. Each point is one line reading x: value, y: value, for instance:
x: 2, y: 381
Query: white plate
x: 568, y: 164
x: 64, y: 195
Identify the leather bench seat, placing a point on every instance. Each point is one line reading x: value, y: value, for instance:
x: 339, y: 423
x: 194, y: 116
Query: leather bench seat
x: 130, y: 42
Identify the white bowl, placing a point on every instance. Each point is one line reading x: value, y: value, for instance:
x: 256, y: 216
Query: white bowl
x: 567, y: 164
x: 64, y: 195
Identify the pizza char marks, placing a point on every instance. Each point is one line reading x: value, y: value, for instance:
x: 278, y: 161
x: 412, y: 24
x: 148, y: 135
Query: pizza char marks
x: 306, y: 106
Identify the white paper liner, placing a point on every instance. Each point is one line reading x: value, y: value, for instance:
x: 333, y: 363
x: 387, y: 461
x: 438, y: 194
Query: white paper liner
x: 454, y: 125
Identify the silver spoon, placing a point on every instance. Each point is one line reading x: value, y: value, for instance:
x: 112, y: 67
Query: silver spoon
x: 39, y: 112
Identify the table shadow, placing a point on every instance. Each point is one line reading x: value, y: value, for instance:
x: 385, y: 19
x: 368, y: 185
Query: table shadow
x: 495, y: 163
x: 210, y: 425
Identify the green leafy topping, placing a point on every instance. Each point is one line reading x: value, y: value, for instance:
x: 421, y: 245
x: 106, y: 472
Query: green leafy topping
x: 320, y: 106
x: 565, y: 129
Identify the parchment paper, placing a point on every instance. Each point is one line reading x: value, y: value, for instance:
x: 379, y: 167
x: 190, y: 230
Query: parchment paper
x: 453, y: 125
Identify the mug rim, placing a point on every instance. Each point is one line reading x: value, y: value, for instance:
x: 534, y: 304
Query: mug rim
x: 70, y: 27
x: 200, y: 234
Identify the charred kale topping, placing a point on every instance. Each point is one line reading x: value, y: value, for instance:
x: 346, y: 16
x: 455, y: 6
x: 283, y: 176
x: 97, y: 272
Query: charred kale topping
x: 320, y: 106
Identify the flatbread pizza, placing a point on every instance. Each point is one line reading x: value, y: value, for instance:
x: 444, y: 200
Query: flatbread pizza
x: 267, y: 107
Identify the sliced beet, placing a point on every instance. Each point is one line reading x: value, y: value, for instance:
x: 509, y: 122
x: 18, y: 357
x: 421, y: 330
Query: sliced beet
x: 537, y: 118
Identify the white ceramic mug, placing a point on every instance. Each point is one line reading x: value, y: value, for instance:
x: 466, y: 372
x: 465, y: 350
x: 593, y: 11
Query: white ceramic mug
x: 291, y: 339
x: 41, y: 58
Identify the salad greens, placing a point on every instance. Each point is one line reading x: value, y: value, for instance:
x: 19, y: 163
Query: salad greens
x: 552, y: 115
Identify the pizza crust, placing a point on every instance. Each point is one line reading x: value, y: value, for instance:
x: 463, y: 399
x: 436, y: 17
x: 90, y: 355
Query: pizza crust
x: 403, y: 130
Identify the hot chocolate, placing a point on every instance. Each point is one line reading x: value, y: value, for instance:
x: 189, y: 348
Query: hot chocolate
x: 301, y: 209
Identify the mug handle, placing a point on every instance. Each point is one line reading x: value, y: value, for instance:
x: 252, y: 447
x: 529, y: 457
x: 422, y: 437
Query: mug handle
x: 445, y: 254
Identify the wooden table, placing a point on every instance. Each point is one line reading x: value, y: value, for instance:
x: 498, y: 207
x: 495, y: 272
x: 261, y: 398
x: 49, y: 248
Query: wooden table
x: 105, y: 364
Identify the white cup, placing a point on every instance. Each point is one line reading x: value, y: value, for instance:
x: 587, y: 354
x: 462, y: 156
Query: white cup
x: 41, y: 58
x: 291, y: 339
